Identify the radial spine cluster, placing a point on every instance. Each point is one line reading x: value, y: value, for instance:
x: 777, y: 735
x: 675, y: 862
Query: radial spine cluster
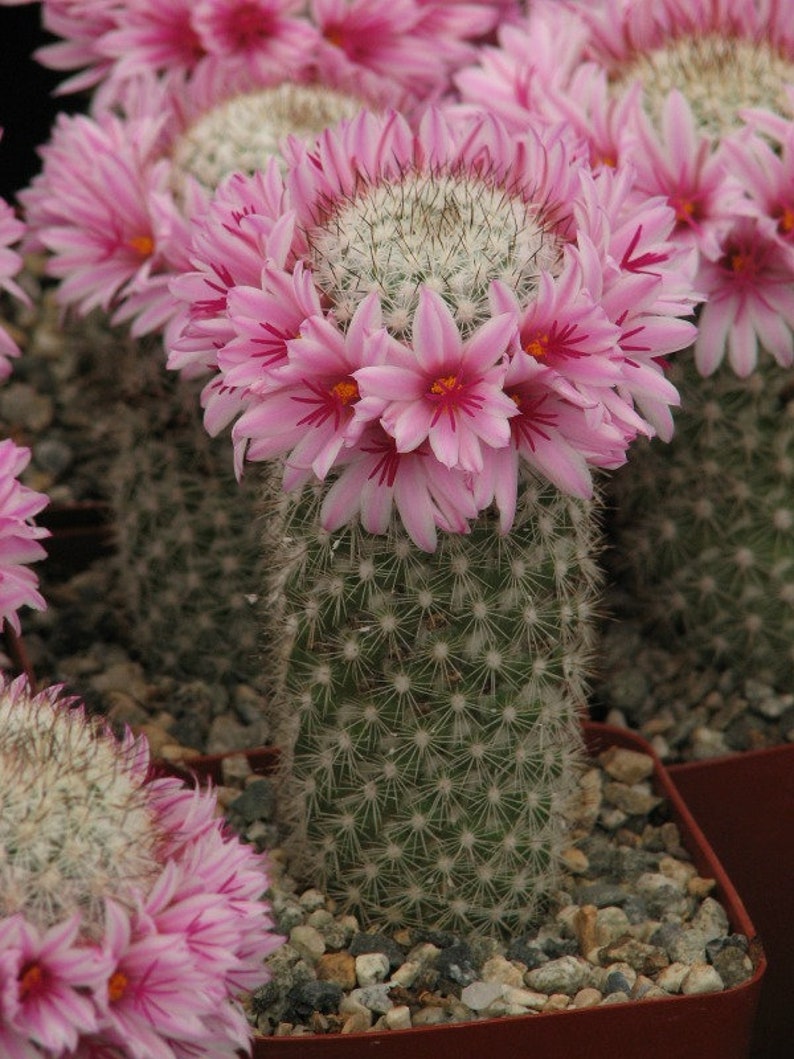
x: 75, y: 820
x: 241, y: 133
x: 719, y: 74
x: 452, y: 233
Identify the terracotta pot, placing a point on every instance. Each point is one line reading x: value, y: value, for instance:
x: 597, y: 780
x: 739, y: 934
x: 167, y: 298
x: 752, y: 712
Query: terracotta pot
x: 745, y: 805
x: 713, y: 1026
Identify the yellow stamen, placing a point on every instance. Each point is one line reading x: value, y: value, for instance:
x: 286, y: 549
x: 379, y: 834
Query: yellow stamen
x: 117, y: 986
x: 346, y: 391
x: 444, y: 385
x: 30, y: 979
x: 786, y: 221
x: 738, y: 262
x: 538, y: 346
x: 333, y: 34
x: 142, y: 244
x: 684, y: 210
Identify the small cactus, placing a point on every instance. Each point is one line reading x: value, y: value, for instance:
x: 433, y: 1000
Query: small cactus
x: 128, y: 919
x: 704, y: 528
x: 424, y: 336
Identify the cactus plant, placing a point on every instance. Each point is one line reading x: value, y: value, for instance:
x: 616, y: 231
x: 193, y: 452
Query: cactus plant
x: 187, y: 565
x: 695, y: 98
x: 436, y: 342
x: 129, y: 920
x: 704, y: 532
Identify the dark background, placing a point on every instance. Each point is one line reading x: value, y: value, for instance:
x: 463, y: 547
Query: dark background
x: 27, y: 106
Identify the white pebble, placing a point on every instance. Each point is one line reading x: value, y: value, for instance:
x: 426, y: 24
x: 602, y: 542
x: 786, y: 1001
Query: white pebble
x: 702, y: 978
x: 399, y: 1018
x: 480, y: 995
x: 308, y: 941
x: 371, y: 968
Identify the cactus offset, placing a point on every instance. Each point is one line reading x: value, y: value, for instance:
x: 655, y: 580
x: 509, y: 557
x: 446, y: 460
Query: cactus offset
x: 704, y: 527
x: 431, y: 705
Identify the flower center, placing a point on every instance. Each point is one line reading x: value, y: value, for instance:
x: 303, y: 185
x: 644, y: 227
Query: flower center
x: 718, y: 75
x: 538, y: 346
x: 142, y: 244
x: 30, y: 980
x: 346, y: 391
x: 242, y: 133
x: 452, y: 232
x: 785, y: 220
x: 247, y: 25
x: 447, y: 384
x: 117, y: 986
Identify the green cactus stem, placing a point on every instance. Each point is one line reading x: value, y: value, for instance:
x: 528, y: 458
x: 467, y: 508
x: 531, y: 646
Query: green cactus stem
x: 704, y: 526
x: 188, y: 565
x: 429, y: 715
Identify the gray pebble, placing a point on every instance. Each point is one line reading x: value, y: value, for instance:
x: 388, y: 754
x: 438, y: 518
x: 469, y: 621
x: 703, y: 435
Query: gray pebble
x: 480, y: 995
x: 363, y: 943
x: 456, y: 963
x: 733, y: 966
x: 308, y: 997
x: 566, y: 975
x: 257, y: 801
x: 53, y: 456
x: 371, y: 968
x: 711, y: 919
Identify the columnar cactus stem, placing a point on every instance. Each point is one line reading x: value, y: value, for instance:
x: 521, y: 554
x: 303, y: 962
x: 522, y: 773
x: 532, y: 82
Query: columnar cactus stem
x: 713, y: 565
x: 431, y: 709
x: 188, y: 558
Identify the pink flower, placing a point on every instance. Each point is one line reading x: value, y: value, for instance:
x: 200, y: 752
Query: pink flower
x: 11, y: 231
x: 78, y: 26
x: 262, y: 35
x: 767, y: 177
x: 113, y: 231
x: 152, y: 36
x: 440, y: 389
x: 551, y: 435
x: 306, y: 408
x: 400, y: 39
x: 48, y: 982
x: 154, y: 991
x: 679, y: 163
x: 750, y: 301
x: 19, y: 537
x: 229, y: 246
x: 376, y: 479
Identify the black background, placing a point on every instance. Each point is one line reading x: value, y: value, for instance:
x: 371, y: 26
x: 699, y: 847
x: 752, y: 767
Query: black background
x: 27, y: 106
